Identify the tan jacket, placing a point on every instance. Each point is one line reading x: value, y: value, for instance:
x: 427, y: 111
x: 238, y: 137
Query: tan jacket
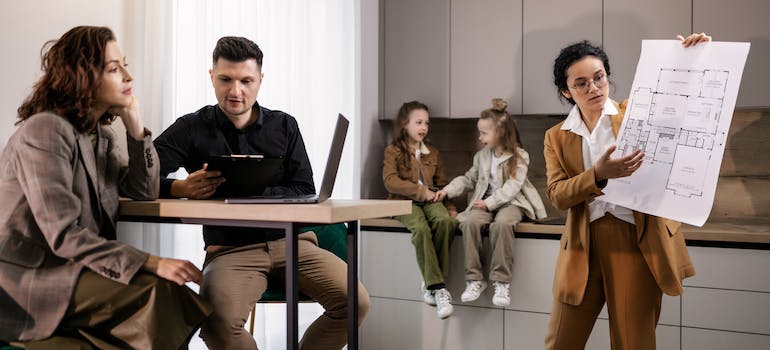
x: 517, y: 190
x: 571, y: 187
x: 58, y: 216
x: 401, y: 183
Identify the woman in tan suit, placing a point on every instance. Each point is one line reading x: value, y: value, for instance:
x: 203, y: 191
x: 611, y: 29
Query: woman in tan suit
x: 609, y: 254
x: 64, y: 279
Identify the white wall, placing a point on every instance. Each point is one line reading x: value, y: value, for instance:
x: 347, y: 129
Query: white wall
x: 26, y: 26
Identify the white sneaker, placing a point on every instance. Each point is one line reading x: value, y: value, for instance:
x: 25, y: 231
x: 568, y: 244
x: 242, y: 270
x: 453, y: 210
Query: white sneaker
x: 443, y: 303
x: 428, y: 296
x: 502, y: 294
x: 473, y: 290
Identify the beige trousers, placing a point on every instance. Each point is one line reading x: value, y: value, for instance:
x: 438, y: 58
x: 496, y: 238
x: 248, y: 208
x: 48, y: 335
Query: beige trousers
x: 500, y: 238
x: 619, y: 276
x: 234, y: 280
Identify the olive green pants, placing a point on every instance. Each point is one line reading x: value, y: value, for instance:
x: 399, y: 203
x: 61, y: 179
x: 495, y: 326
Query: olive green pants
x: 433, y: 230
x: 148, y: 313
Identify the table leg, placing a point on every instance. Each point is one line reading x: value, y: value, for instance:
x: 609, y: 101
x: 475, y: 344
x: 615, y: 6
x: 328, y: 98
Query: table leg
x: 353, y: 285
x: 292, y: 288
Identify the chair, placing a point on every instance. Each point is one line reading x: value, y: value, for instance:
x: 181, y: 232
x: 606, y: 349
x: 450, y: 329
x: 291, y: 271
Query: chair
x: 330, y: 237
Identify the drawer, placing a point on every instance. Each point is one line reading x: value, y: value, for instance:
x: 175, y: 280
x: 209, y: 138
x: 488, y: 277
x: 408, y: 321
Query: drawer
x: 406, y: 324
x: 727, y: 310
x: 741, y: 269
x: 706, y: 339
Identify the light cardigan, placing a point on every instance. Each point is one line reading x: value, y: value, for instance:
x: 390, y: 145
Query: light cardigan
x: 517, y: 190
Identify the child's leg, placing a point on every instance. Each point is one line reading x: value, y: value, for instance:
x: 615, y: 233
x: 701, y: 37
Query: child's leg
x: 422, y: 239
x: 444, y: 227
x: 471, y: 223
x: 501, y: 239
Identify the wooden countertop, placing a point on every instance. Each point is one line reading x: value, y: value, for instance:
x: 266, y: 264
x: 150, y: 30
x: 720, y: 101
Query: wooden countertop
x: 726, y: 230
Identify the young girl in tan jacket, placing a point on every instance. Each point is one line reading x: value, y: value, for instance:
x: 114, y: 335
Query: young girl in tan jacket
x: 412, y: 170
x: 502, y: 196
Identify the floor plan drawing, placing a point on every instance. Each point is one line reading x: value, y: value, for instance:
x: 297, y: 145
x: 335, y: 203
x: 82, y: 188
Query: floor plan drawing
x: 679, y: 112
x: 682, y: 148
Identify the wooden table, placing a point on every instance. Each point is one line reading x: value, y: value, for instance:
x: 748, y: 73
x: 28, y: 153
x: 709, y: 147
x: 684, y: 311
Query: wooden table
x: 290, y: 218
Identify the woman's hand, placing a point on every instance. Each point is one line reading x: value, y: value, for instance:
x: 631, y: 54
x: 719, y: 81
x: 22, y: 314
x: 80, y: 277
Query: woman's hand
x: 607, y: 168
x: 199, y: 185
x: 131, y: 118
x: 174, y: 270
x: 694, y: 39
x: 480, y: 204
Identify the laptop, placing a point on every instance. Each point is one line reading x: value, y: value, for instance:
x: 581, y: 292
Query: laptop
x: 327, y: 185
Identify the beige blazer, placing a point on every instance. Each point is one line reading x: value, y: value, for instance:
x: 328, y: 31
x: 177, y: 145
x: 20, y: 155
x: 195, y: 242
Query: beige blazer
x: 60, y: 201
x: 571, y: 187
x: 517, y: 190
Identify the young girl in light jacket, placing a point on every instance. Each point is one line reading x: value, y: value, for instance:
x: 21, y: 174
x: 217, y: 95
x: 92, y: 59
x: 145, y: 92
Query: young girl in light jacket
x: 502, y: 196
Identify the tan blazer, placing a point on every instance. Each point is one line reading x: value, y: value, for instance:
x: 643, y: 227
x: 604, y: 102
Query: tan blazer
x: 60, y: 201
x: 571, y: 187
x: 401, y: 182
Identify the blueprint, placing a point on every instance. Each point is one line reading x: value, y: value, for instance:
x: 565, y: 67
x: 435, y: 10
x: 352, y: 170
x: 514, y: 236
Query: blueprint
x: 679, y: 111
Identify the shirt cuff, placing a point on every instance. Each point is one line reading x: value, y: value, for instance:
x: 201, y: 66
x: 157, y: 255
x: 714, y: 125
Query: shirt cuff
x: 165, y: 188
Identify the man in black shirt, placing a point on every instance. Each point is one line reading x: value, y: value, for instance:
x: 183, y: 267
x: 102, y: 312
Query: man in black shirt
x: 240, y: 261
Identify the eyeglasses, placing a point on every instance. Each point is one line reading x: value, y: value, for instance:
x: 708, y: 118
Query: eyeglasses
x: 584, y: 86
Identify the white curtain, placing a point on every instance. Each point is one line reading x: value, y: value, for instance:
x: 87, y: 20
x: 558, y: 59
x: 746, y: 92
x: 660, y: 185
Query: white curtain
x: 309, y: 73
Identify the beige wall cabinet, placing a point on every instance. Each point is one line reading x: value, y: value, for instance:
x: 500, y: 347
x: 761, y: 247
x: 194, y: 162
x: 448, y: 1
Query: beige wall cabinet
x: 550, y: 25
x: 744, y: 20
x: 485, y: 60
x: 628, y: 22
x: 416, y: 54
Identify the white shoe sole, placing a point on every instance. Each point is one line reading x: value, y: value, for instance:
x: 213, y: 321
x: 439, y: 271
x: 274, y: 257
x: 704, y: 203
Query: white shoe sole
x: 500, y: 302
x: 446, y: 313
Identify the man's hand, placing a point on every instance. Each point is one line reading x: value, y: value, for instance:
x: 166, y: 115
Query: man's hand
x: 174, y: 270
x: 607, y: 168
x: 199, y: 185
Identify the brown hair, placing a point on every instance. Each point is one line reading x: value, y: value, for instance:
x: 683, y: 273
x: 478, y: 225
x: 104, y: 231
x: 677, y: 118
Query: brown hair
x: 505, y: 129
x: 237, y: 49
x: 400, y: 138
x: 72, y: 72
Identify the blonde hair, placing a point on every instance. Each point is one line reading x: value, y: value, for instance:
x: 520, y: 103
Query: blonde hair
x: 505, y: 129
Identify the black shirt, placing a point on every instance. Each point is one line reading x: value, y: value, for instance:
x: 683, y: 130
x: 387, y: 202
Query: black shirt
x: 195, y: 137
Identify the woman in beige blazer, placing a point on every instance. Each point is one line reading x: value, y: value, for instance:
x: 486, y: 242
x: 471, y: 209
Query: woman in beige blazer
x: 609, y: 254
x: 62, y: 273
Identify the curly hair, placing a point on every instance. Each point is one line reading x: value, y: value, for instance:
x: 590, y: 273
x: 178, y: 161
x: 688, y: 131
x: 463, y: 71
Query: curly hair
x: 505, y: 129
x: 400, y: 138
x: 72, y: 71
x: 568, y: 56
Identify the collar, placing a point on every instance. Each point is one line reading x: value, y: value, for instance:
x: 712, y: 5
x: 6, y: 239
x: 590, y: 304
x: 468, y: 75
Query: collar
x: 424, y: 148
x: 502, y: 158
x: 222, y: 120
x: 574, y: 122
